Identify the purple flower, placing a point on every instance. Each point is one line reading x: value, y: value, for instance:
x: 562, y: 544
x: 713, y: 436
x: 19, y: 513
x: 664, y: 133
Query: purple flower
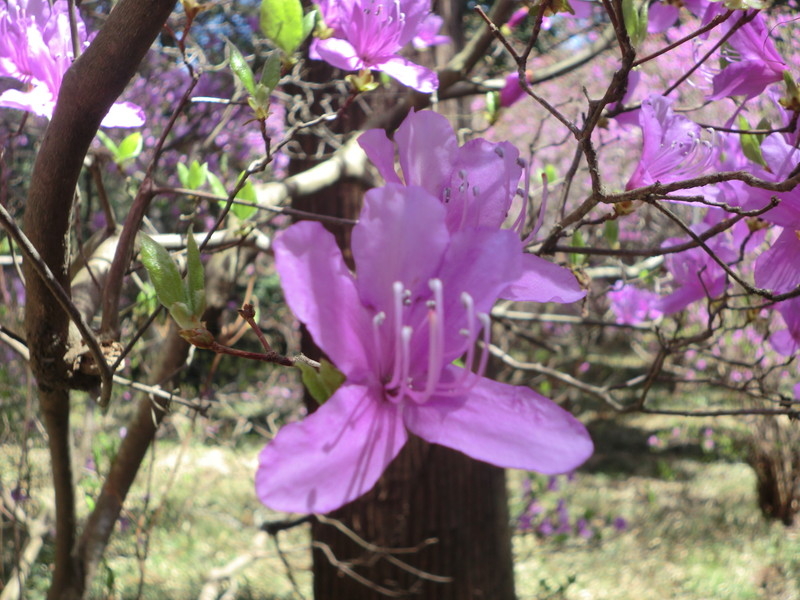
x: 584, y: 530
x: 368, y: 34
x: 517, y: 17
x: 36, y: 49
x: 787, y: 341
x: 695, y: 275
x: 511, y: 92
x: 546, y: 528
x: 427, y: 34
x: 476, y: 183
x: 752, y: 62
x: 672, y: 147
x: 419, y: 301
x: 633, y: 305
x: 19, y: 494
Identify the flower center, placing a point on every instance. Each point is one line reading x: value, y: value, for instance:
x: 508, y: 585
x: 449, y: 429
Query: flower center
x: 421, y: 348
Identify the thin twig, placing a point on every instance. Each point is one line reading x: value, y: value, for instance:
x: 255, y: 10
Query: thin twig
x: 63, y: 299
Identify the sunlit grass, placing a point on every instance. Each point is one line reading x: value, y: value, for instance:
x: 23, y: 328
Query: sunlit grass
x: 691, y: 530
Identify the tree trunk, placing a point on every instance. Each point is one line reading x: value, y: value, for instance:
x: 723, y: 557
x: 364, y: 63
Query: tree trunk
x: 451, y: 510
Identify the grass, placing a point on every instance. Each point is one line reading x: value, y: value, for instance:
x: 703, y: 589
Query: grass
x: 692, y: 529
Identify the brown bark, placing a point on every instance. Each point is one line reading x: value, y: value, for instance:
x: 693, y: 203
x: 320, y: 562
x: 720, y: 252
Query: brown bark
x: 88, y: 90
x: 428, y: 492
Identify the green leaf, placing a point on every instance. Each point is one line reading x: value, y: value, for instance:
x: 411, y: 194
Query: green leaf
x: 195, y: 278
x: 611, y: 233
x: 241, y: 69
x: 109, y: 143
x: 183, y: 315
x: 282, y: 23
x: 197, y: 175
x: 751, y: 143
x: 635, y: 18
x: 217, y: 187
x: 330, y: 376
x: 313, y: 382
x: 259, y: 102
x: 246, y: 194
x: 310, y: 22
x: 163, y: 271
x: 130, y: 147
x: 271, y: 73
x: 578, y: 242
x: 183, y: 175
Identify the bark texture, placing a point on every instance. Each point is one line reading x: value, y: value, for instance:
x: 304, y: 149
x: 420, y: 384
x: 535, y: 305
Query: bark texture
x: 451, y: 509
x: 88, y: 90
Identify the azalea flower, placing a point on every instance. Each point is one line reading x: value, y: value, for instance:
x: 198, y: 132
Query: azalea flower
x: 36, y: 49
x: 511, y: 92
x: 419, y: 300
x: 695, y: 275
x: 672, y: 146
x: 751, y: 61
x: 369, y: 34
x: 427, y: 34
x: 476, y: 182
x: 633, y: 305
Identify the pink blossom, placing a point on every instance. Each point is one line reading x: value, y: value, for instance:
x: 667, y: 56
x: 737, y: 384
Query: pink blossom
x: 695, y: 275
x: 752, y: 62
x: 633, y: 305
x: 36, y: 49
x: 476, y: 182
x: 419, y: 300
x: 369, y: 34
x: 672, y: 146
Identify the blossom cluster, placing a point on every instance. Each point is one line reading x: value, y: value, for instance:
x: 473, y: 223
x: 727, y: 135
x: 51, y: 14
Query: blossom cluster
x: 36, y: 50
x: 675, y: 148
x: 410, y: 328
x: 364, y: 35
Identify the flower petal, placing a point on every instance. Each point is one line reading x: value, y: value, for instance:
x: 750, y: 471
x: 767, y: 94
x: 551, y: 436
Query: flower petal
x: 124, y: 114
x: 380, y: 151
x: 483, y: 182
x: 508, y: 426
x: 542, y: 281
x: 427, y: 146
x: 408, y: 73
x: 322, y: 294
x: 339, y: 53
x: 778, y: 269
x: 333, y: 456
x: 401, y: 236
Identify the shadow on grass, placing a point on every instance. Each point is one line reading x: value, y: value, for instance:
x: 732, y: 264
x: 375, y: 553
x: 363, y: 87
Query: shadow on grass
x: 623, y: 449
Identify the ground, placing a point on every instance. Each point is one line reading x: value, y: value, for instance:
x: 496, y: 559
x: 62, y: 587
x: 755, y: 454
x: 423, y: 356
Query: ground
x: 665, y: 509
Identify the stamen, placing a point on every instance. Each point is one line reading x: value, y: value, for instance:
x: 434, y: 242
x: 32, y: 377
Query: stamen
x: 519, y: 224
x: 377, y: 321
x: 499, y: 151
x: 405, y: 364
x: 435, y: 337
x: 397, y: 296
